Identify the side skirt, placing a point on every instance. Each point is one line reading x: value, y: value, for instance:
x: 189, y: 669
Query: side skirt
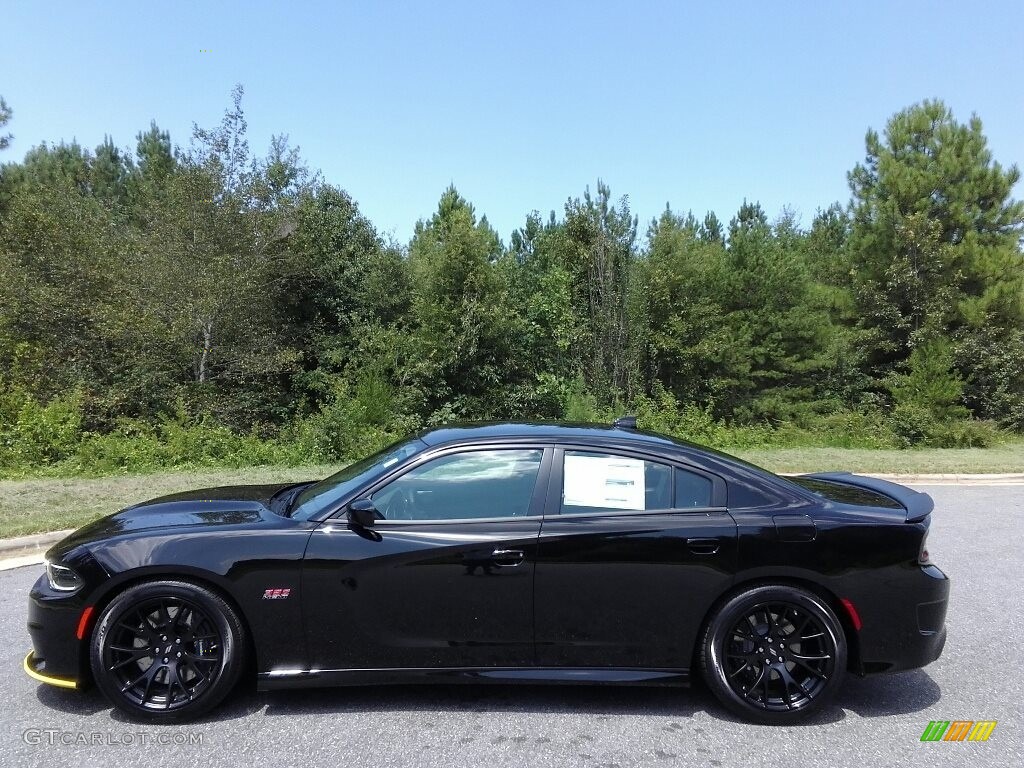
x: 308, y: 678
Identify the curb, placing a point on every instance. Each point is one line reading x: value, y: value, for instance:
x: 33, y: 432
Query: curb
x: 10, y: 563
x: 28, y: 550
x: 1010, y: 478
x: 26, y: 545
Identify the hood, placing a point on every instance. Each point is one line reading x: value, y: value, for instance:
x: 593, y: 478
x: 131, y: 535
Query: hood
x: 238, y: 505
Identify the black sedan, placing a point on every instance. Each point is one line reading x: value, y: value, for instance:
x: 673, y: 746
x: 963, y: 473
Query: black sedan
x: 531, y: 553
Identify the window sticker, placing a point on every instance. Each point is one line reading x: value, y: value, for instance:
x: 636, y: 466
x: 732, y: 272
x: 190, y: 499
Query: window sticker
x: 609, y: 482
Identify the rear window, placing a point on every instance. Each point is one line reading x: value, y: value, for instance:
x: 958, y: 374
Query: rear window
x: 846, y: 494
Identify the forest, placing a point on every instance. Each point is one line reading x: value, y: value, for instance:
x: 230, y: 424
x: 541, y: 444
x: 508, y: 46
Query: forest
x: 206, y: 304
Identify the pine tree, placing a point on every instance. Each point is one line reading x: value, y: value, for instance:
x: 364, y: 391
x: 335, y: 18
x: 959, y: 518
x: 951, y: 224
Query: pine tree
x: 935, y: 239
x: 6, y: 113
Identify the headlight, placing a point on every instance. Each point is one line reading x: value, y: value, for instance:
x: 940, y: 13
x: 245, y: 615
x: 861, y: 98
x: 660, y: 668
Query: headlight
x: 62, y: 578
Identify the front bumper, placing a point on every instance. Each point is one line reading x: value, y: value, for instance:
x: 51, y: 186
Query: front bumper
x: 53, y: 625
x: 36, y: 669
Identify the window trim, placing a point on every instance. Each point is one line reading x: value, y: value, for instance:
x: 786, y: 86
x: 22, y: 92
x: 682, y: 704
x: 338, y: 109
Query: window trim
x: 553, y: 508
x: 536, y: 499
x: 637, y: 513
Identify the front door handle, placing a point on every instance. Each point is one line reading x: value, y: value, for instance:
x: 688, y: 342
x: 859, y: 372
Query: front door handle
x: 507, y: 556
x: 703, y: 546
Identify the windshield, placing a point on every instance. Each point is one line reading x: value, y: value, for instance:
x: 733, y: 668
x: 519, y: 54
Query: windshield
x: 327, y: 492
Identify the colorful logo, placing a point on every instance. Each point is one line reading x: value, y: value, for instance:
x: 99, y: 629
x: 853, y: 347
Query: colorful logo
x: 958, y: 730
x: 276, y: 594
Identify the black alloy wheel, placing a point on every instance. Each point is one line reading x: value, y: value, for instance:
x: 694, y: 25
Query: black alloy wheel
x: 774, y: 654
x: 167, y: 650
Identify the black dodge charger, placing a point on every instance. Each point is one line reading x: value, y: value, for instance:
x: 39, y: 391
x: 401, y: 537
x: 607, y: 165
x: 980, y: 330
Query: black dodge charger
x: 525, y: 553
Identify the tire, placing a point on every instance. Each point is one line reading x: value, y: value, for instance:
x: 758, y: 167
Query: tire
x: 774, y: 654
x: 167, y: 651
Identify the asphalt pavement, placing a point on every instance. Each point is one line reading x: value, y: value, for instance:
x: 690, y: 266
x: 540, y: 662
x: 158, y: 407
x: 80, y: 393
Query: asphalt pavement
x: 878, y: 721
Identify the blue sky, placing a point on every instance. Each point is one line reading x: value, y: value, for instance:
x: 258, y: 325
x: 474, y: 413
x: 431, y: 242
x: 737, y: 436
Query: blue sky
x: 524, y: 104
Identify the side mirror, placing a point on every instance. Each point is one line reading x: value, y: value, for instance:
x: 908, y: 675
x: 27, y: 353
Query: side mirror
x: 361, y: 512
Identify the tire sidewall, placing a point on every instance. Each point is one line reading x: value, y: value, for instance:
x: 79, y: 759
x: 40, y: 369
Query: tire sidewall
x: 219, y: 612
x: 726, y: 617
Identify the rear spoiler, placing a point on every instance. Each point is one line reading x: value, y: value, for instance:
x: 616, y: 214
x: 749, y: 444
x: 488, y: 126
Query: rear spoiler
x: 918, y: 505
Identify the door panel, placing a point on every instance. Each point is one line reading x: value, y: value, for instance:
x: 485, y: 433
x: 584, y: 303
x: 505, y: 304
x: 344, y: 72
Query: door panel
x: 627, y: 588
x: 628, y: 591
x: 421, y: 595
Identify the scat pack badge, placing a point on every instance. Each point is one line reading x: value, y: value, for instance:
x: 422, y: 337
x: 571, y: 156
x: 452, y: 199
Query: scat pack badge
x: 276, y: 594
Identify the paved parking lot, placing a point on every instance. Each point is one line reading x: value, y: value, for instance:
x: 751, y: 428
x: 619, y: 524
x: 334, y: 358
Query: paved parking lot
x: 976, y: 538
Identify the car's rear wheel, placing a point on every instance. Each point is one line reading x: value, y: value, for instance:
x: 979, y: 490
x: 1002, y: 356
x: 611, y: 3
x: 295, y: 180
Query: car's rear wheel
x: 167, y: 650
x: 774, y: 654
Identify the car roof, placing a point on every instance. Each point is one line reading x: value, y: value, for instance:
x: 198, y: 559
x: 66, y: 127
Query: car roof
x: 547, y: 430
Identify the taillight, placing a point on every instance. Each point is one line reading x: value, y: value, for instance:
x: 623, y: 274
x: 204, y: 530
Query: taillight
x: 923, y: 557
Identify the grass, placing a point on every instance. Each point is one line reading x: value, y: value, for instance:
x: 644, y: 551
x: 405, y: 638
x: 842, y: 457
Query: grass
x: 50, y: 504
x: 1007, y: 457
x: 53, y: 504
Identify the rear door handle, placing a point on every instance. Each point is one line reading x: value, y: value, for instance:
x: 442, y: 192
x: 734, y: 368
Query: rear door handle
x: 507, y: 556
x: 703, y: 546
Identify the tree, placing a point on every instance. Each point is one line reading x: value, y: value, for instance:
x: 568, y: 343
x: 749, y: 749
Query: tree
x: 934, y: 242
x: 155, y: 156
x: 109, y: 174
x: 52, y: 166
x: 465, y: 324
x: 58, y: 258
x: 210, y: 265
x: 600, y: 251
x: 6, y: 113
x: 826, y: 246
x: 212, y: 281
x: 554, y: 341
x: 682, y: 286
x: 930, y: 383
x: 344, y: 289
x: 711, y: 230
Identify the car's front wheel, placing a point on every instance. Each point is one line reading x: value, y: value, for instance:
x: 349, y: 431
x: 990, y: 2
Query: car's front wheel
x: 774, y: 654
x: 167, y: 650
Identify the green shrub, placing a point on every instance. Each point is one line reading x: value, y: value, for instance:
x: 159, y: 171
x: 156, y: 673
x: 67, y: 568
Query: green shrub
x: 843, y: 429
x: 931, y: 384
x: 176, y: 442
x: 133, y: 446
x: 912, y: 424
x: 347, y: 427
x: 356, y: 420
x: 578, y: 405
x: 964, y: 434
x: 206, y: 444
x: 32, y: 434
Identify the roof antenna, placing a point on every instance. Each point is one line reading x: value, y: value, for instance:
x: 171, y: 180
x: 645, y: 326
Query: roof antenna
x: 625, y: 422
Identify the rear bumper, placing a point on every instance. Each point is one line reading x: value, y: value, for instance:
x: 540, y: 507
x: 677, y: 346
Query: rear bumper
x: 926, y: 649
x: 911, y: 631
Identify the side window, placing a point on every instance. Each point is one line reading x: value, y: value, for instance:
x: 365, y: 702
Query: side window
x: 743, y: 496
x: 498, y: 483
x: 601, y: 482
x: 692, y: 490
